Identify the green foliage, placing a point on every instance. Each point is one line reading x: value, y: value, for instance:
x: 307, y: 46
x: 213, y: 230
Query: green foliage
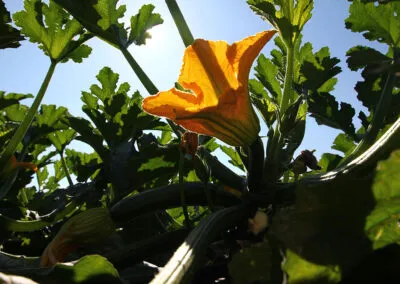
x: 382, y: 224
x: 234, y: 157
x: 288, y: 17
x: 343, y: 143
x: 50, y: 27
x: 10, y: 36
x: 142, y: 22
x: 300, y: 270
x: 337, y: 223
x: 119, y: 123
x: 251, y: 264
x: 88, y: 269
x: 329, y: 162
x: 381, y: 23
x: 102, y: 19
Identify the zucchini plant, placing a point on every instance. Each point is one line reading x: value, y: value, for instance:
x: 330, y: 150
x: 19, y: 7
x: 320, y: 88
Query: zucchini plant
x: 152, y: 200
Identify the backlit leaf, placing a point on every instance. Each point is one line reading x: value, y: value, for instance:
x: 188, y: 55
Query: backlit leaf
x: 100, y: 18
x: 10, y: 36
x: 50, y: 26
x: 382, y: 225
x: 329, y: 161
x: 142, y: 22
x: 235, y: 157
x: 376, y: 22
x: 88, y: 269
x: 344, y: 144
x: 288, y: 17
x: 9, y: 99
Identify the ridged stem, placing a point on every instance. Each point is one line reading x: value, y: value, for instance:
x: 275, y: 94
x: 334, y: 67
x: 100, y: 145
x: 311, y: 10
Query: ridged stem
x: 180, y: 22
x: 378, y: 121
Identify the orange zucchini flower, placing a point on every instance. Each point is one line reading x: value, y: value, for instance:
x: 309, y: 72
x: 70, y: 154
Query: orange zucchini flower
x: 13, y: 165
x: 217, y: 101
x: 89, y: 227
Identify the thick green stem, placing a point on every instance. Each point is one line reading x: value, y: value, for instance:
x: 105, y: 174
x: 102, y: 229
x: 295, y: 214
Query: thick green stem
x: 272, y: 167
x: 182, y: 189
x: 25, y: 124
x: 180, y: 22
x: 378, y: 121
x: 147, y: 83
x: 64, y: 165
x: 288, y: 85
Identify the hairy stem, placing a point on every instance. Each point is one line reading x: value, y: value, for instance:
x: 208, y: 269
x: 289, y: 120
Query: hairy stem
x: 287, y: 95
x: 144, y: 79
x: 64, y: 165
x: 182, y: 189
x: 26, y: 123
x: 378, y: 121
x: 272, y: 164
x: 180, y: 22
x: 147, y: 83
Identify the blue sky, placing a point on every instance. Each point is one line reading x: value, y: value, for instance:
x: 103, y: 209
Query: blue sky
x: 24, y: 68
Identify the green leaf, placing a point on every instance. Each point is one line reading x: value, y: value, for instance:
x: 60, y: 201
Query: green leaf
x: 88, y: 269
x: 334, y: 218
x: 369, y: 92
x: 99, y: 17
x: 166, y: 136
x: 10, y: 36
x: 266, y: 72
x: 51, y: 27
x: 155, y: 163
x: 325, y: 109
x: 11, y: 99
x: 211, y: 145
x: 329, y: 161
x: 49, y: 119
x: 88, y: 135
x: 319, y: 71
x: 288, y: 17
x: 117, y: 115
x: 235, y: 157
x: 142, y: 22
x: 251, y: 265
x: 42, y: 176
x: 300, y: 271
x: 381, y: 22
x: 382, y: 224
x: 362, y: 56
x: 60, y: 139
x: 83, y: 165
x: 16, y: 112
x: 265, y: 105
x: 344, y: 144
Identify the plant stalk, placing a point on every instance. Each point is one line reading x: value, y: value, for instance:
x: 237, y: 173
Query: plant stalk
x: 180, y: 22
x: 147, y: 83
x: 64, y: 165
x: 378, y: 120
x: 272, y: 162
x: 144, y: 79
x: 25, y: 124
x: 182, y: 189
x: 287, y: 96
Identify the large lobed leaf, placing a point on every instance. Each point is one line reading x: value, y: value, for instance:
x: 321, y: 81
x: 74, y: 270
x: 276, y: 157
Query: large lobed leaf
x: 381, y: 22
x: 338, y: 222
x: 10, y: 36
x: 288, y: 17
x: 51, y: 27
x: 102, y: 19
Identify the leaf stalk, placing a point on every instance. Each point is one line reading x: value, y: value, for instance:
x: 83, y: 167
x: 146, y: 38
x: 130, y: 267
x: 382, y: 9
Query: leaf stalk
x: 26, y: 123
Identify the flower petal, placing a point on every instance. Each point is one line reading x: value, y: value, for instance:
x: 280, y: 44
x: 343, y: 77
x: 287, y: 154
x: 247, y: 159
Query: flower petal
x: 219, y: 104
x: 242, y: 53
